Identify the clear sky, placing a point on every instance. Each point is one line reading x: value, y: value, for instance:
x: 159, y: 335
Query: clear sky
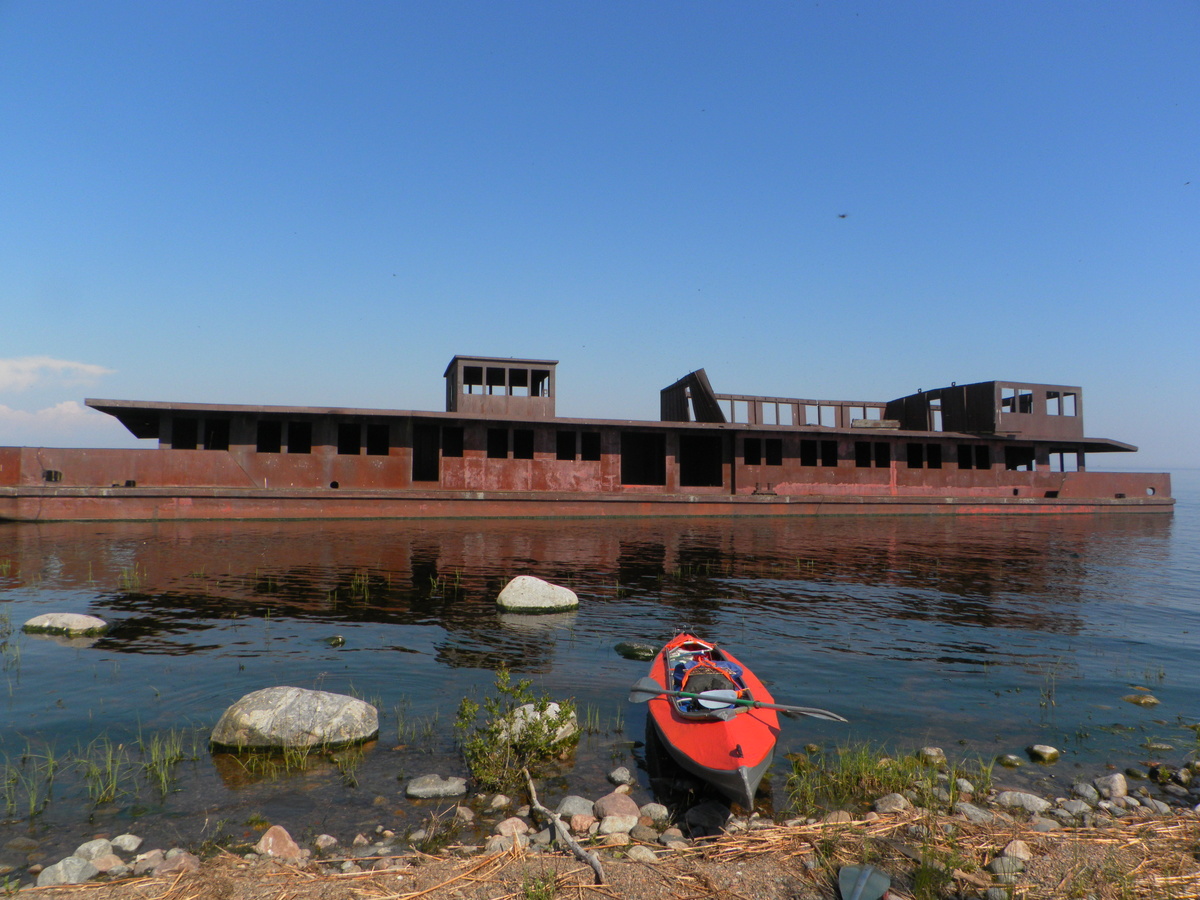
x: 321, y: 203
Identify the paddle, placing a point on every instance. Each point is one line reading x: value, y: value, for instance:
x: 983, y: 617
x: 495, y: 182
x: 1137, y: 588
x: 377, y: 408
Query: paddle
x: 863, y: 883
x: 647, y: 688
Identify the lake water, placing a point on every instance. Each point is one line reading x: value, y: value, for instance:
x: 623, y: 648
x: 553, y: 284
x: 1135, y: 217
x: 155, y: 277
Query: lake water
x: 981, y: 635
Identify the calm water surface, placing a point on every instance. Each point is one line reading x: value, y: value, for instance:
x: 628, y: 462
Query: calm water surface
x: 980, y: 635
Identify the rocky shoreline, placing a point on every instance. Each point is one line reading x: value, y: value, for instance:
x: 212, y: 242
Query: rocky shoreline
x: 617, y: 827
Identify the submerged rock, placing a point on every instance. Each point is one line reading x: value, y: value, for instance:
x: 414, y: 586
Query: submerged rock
x: 295, y: 717
x: 636, y: 650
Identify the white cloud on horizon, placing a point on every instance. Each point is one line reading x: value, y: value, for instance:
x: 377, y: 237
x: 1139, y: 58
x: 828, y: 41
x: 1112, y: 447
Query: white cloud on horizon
x: 24, y: 372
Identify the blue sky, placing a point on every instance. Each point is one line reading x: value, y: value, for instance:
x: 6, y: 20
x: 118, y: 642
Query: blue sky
x: 321, y: 203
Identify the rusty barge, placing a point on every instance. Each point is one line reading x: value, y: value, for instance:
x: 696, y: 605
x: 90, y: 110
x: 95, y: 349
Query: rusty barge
x: 500, y: 450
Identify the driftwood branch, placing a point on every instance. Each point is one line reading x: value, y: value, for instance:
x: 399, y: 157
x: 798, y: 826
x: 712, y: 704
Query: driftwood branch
x: 564, y: 833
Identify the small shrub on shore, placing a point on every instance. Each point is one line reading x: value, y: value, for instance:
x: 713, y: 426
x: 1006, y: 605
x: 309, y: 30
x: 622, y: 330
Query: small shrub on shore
x: 494, y: 750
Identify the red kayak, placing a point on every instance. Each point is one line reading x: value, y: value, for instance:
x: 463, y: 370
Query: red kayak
x: 717, y: 737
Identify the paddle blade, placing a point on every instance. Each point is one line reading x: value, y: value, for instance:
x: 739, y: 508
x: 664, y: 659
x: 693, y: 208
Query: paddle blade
x: 717, y: 699
x: 863, y: 882
x: 644, y: 689
x: 814, y: 713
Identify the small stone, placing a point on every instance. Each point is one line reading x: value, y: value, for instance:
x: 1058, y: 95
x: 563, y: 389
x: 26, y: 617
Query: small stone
x: 107, y: 862
x: 621, y: 775
x: 1007, y: 865
x: 325, y: 842
x: 636, y: 650
x: 617, y: 824
x: 1111, y: 786
x: 174, y: 865
x: 643, y: 833
x: 616, y: 839
x: 973, y: 813
x: 127, y: 843
x: 511, y: 826
x: 964, y: 786
x: 932, y: 756
x: 542, y: 838
x: 1041, y: 824
x: 360, y: 840
x: 641, y: 853
x: 1075, y: 807
x: 1022, y: 800
x: 582, y: 824
x: 574, y: 805
x: 1135, y: 773
x: 278, y: 843
x: 146, y: 862
x: 93, y: 849
x: 1141, y: 699
x: 891, y: 803
x: 72, y: 870
x: 1043, y: 753
x: 1017, y: 850
x: 1085, y: 792
x: 656, y: 812
x: 616, y: 804
x: 1010, y: 761
x: 499, y: 801
x: 428, y: 787
x: 838, y: 817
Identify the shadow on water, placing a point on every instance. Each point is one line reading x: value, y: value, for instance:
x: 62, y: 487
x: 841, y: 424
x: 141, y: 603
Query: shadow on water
x: 983, y: 635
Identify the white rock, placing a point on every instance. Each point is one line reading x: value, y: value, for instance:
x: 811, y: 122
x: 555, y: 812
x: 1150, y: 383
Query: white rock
x: 1111, y: 786
x: 295, y: 717
x: 426, y: 787
x: 528, y: 594
x: 65, y: 623
x: 71, y: 870
x: 1022, y: 800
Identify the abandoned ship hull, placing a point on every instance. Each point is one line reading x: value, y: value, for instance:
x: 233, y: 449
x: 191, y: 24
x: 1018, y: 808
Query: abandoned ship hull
x: 499, y: 450
x: 133, y: 504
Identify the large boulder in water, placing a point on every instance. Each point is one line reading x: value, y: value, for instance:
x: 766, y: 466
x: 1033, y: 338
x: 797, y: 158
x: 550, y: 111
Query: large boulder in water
x: 73, y: 624
x: 295, y: 717
x: 532, y: 595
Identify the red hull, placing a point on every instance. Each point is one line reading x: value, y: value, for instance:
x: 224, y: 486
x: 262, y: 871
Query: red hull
x: 730, y: 754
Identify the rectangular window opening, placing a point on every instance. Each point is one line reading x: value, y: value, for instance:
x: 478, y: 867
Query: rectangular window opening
x: 378, y: 440
x: 540, y: 386
x: 299, y: 436
x: 808, y: 453
x: 522, y: 443
x: 216, y: 434
x: 426, y: 465
x: 916, y: 456
x: 700, y: 460
x: 589, y: 446
x: 349, y: 439
x: 452, y: 441
x: 270, y: 436
x: 497, y: 382
x: 773, y: 451
x: 497, y: 443
x: 829, y: 454
x: 883, y: 455
x: 862, y: 454
x: 472, y: 379
x: 185, y: 433
x: 933, y: 456
x: 643, y: 458
x: 1070, y: 404
x: 564, y: 446
x: 1053, y: 403
x: 518, y: 382
x: 787, y: 414
x: 812, y: 414
x: 752, y: 452
x: 983, y: 457
x: 1019, y: 459
x: 829, y: 416
x: 966, y: 456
